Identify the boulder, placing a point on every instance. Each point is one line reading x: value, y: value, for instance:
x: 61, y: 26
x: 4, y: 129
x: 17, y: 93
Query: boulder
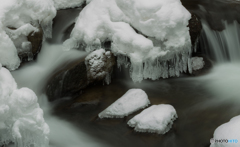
x: 69, y: 82
x: 28, y: 46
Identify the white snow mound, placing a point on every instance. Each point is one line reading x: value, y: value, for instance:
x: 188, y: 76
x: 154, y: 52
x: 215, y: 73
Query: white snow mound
x: 152, y: 33
x: 155, y: 119
x: 21, y: 118
x: 131, y: 101
x: 229, y: 131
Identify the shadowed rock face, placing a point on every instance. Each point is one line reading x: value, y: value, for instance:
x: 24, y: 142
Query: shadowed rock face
x: 70, y: 82
x: 36, y: 39
x: 195, y: 28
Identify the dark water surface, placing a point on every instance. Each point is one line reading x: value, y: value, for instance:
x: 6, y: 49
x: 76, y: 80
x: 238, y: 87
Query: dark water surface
x: 200, y: 108
x: 200, y: 112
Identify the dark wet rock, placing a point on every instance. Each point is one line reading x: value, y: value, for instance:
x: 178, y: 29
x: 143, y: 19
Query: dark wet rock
x: 35, y: 38
x: 208, y: 64
x: 195, y: 28
x: 32, y: 44
x: 71, y: 82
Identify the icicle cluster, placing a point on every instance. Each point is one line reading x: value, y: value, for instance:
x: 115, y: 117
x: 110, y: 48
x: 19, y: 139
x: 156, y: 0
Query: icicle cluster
x: 21, y: 118
x: 152, y: 34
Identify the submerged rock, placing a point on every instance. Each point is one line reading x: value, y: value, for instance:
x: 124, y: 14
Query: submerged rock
x: 70, y: 82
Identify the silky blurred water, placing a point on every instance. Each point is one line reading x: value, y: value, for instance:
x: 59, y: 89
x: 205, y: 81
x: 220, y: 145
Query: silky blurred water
x: 202, y: 103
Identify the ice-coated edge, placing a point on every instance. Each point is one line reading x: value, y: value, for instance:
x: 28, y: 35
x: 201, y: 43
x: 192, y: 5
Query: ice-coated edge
x: 133, y: 100
x: 144, y: 123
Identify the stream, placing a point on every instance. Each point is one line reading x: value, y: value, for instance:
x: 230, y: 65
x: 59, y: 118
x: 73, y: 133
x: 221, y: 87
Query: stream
x: 202, y: 103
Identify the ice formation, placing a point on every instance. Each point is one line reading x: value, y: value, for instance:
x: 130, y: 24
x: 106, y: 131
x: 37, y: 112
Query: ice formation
x: 63, y: 4
x: 131, y: 101
x: 153, y: 34
x: 98, y: 64
x: 229, y: 131
x: 155, y: 119
x: 197, y: 63
x: 21, y: 118
x: 18, y: 18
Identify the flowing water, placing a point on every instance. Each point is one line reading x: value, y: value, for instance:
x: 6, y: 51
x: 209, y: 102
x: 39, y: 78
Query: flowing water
x: 202, y: 103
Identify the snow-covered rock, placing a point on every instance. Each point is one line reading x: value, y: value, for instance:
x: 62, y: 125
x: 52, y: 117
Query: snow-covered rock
x: 229, y: 131
x: 197, y: 63
x: 163, y: 22
x: 21, y: 118
x: 131, y: 101
x: 99, y: 65
x: 155, y: 119
x: 23, y: 16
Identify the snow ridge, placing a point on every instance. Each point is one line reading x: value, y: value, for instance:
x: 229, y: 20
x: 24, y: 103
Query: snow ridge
x: 155, y: 119
x: 133, y: 100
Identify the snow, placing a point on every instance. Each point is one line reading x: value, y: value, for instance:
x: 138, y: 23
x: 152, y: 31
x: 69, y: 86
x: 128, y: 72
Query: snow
x: 229, y: 131
x: 161, y: 40
x: 63, y: 4
x: 131, y: 101
x: 98, y: 66
x: 21, y: 118
x: 155, y: 119
x: 197, y: 63
x: 19, y: 18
